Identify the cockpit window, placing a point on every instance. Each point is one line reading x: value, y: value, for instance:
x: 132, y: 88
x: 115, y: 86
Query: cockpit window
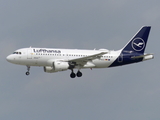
x: 17, y: 53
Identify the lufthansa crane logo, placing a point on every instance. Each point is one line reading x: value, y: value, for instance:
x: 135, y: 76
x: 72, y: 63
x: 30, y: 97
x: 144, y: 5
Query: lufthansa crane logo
x: 138, y: 44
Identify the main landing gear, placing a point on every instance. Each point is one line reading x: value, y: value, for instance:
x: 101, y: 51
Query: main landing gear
x: 78, y: 74
x: 28, y: 69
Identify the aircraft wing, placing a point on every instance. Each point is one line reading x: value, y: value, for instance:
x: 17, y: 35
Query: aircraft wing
x: 83, y: 60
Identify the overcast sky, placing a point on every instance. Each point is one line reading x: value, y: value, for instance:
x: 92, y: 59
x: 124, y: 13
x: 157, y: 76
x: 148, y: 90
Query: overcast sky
x: 129, y: 92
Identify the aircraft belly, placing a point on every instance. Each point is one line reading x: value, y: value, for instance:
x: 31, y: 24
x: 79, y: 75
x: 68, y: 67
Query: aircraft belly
x: 104, y: 63
x: 101, y: 63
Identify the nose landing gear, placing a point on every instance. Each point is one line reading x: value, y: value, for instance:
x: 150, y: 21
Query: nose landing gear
x: 28, y: 69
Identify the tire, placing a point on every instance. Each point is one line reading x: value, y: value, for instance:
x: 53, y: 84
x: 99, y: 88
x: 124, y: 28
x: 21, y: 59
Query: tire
x: 72, y: 75
x: 27, y: 73
x: 79, y: 74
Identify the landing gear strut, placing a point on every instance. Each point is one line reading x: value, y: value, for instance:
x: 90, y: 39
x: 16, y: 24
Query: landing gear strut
x: 28, y: 68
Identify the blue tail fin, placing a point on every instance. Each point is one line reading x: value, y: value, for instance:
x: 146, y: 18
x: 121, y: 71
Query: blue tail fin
x: 139, y: 41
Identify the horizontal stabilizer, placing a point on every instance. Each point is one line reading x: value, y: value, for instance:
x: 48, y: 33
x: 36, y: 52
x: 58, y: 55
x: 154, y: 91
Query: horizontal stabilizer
x: 145, y: 57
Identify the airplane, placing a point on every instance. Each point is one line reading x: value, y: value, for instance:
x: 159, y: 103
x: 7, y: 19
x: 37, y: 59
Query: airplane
x: 55, y: 59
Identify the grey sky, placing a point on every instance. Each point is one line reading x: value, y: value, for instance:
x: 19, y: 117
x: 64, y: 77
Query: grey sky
x: 125, y: 93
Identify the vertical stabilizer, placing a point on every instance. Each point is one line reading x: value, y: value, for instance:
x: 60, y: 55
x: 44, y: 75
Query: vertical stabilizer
x: 139, y: 41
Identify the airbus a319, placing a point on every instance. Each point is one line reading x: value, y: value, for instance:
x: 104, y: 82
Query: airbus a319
x: 55, y: 60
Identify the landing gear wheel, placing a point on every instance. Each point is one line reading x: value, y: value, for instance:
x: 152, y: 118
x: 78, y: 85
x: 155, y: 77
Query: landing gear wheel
x: 27, y: 73
x: 28, y: 68
x: 72, y: 75
x: 79, y: 74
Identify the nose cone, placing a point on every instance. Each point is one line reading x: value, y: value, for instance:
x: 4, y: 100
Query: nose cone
x: 9, y: 58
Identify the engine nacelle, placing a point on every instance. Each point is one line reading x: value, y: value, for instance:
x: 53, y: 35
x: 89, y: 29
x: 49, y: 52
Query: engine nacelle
x: 60, y: 66
x: 49, y: 69
x: 57, y: 66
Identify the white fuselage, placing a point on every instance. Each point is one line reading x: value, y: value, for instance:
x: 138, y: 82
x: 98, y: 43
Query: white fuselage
x: 43, y: 56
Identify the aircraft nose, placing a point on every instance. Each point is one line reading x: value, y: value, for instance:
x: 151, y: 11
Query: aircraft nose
x: 9, y: 58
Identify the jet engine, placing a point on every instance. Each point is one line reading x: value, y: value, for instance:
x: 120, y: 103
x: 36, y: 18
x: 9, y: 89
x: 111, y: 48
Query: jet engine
x: 57, y: 66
